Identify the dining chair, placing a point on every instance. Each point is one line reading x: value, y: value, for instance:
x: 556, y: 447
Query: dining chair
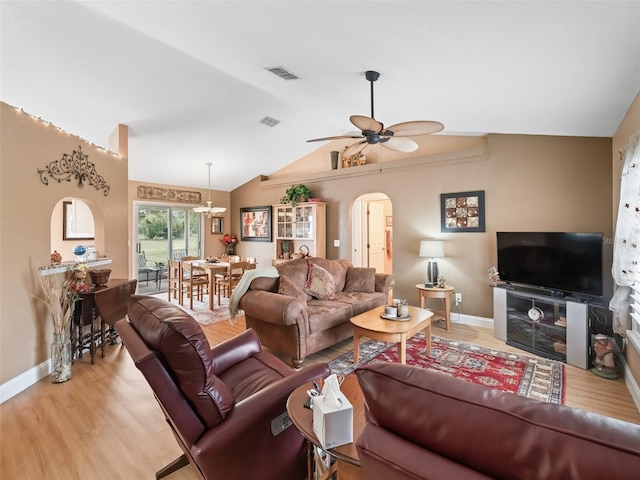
x: 174, y: 280
x: 195, y: 280
x: 250, y: 260
x: 226, y: 258
x: 225, y: 283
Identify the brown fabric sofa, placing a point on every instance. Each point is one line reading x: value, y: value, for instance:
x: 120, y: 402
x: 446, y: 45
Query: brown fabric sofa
x: 295, y: 323
x: 431, y: 426
x: 226, y: 405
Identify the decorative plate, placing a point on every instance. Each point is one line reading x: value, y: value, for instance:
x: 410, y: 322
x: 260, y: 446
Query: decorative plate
x: 393, y: 317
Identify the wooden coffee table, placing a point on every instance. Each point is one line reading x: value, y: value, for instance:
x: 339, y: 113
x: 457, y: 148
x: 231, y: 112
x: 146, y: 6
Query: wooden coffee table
x: 371, y: 325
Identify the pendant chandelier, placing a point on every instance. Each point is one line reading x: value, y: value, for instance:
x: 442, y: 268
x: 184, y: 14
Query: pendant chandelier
x: 209, y: 211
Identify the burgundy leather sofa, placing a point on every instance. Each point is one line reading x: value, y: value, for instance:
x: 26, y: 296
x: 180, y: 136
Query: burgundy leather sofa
x: 426, y: 425
x: 226, y: 405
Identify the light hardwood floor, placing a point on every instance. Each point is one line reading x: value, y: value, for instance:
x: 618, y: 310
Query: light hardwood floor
x: 105, y: 423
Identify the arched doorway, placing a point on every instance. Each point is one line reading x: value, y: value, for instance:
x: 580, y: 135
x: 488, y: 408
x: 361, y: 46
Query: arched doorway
x: 372, y: 232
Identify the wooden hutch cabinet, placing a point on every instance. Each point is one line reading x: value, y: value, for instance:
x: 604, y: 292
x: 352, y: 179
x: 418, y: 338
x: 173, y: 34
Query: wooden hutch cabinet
x: 299, y: 226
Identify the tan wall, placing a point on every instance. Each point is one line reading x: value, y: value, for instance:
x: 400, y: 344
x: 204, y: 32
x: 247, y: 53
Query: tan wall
x: 629, y: 125
x: 26, y: 206
x: 536, y: 183
x: 212, y: 245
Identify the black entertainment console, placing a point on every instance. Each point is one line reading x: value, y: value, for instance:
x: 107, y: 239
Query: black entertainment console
x: 551, y: 326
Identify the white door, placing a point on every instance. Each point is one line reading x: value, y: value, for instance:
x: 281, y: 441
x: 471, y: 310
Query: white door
x: 375, y: 235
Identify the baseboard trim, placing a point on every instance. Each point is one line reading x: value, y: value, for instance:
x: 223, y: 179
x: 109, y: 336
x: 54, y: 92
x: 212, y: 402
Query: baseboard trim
x: 472, y: 320
x: 24, y: 380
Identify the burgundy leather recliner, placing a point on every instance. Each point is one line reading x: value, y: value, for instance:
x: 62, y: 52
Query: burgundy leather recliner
x: 426, y: 425
x: 225, y: 404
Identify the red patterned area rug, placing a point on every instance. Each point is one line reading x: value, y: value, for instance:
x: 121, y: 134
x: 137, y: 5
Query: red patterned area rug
x: 526, y: 376
x: 201, y: 311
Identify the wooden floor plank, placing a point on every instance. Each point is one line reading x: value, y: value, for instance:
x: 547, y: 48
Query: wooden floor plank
x: 105, y: 423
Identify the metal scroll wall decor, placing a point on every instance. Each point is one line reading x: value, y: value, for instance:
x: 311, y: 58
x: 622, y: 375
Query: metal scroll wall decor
x: 75, y: 166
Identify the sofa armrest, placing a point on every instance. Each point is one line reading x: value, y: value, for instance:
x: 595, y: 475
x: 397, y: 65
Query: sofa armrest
x: 385, y: 283
x: 235, y: 350
x: 272, y: 307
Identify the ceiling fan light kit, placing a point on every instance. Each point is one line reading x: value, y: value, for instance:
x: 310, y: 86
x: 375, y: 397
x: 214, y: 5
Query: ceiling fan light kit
x: 396, y: 137
x: 210, y: 211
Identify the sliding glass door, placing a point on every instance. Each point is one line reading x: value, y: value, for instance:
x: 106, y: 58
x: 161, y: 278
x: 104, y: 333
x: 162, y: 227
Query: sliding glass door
x: 167, y: 232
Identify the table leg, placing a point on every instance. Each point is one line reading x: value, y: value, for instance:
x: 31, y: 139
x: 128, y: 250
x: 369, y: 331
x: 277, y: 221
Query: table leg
x: 92, y: 345
x: 447, y: 311
x: 212, y: 283
x: 356, y: 346
x: 102, y: 338
x: 402, y: 347
x: 422, y: 300
x: 427, y: 335
x: 309, y: 460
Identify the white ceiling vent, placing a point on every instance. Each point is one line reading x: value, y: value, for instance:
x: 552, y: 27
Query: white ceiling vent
x: 270, y: 122
x: 283, y: 73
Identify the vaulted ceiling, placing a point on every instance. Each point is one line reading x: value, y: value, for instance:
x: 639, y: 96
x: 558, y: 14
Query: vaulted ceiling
x: 190, y: 78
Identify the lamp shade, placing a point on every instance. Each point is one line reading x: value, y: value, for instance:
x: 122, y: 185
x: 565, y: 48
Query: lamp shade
x: 432, y: 248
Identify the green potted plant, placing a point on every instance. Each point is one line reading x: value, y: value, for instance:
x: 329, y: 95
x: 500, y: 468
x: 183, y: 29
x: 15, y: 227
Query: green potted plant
x: 296, y: 194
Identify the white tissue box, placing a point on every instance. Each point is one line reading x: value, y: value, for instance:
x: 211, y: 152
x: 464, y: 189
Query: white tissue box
x: 333, y: 425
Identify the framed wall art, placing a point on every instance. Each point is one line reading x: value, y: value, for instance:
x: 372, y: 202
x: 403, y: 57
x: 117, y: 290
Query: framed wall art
x: 217, y: 224
x: 462, y: 212
x: 255, y: 224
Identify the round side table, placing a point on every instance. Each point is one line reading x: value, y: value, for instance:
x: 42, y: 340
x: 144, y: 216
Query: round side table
x: 444, y: 294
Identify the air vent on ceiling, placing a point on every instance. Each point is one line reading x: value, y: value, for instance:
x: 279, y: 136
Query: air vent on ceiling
x: 270, y: 122
x: 283, y: 73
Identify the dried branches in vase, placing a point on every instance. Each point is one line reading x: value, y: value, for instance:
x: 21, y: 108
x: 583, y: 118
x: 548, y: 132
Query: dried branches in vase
x: 60, y: 297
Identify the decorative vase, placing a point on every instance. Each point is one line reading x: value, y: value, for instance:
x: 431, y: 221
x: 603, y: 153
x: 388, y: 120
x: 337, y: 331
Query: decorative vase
x: 403, y: 309
x: 334, y: 159
x: 230, y: 249
x: 61, y: 357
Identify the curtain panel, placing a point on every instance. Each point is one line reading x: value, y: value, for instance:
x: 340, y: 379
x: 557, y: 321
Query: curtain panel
x: 627, y: 235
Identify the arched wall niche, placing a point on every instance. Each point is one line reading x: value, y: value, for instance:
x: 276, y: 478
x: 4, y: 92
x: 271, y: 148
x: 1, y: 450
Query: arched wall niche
x: 65, y: 246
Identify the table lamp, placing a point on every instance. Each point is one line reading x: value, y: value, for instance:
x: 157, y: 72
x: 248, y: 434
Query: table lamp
x: 432, y: 249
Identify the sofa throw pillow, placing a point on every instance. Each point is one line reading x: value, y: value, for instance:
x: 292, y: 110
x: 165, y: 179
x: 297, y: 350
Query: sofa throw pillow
x: 361, y: 280
x: 320, y: 283
x: 288, y: 287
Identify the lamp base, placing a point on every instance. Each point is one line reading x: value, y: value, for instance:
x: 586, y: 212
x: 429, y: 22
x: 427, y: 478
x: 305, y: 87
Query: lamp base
x: 432, y: 271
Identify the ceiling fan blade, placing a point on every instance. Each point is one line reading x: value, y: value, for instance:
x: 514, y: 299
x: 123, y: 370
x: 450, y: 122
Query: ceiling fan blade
x: 355, y: 148
x: 338, y: 137
x: 366, y: 123
x: 418, y: 127
x: 400, y: 144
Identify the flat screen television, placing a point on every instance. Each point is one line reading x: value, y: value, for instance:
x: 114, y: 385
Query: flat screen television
x: 562, y: 262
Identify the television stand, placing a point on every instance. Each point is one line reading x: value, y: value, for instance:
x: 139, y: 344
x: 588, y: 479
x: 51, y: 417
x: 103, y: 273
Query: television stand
x: 545, y: 325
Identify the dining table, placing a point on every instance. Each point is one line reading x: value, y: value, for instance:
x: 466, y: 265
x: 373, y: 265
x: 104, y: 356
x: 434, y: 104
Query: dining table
x: 212, y: 268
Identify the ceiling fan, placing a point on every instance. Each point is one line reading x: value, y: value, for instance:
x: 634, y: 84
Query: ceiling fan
x: 395, y: 137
